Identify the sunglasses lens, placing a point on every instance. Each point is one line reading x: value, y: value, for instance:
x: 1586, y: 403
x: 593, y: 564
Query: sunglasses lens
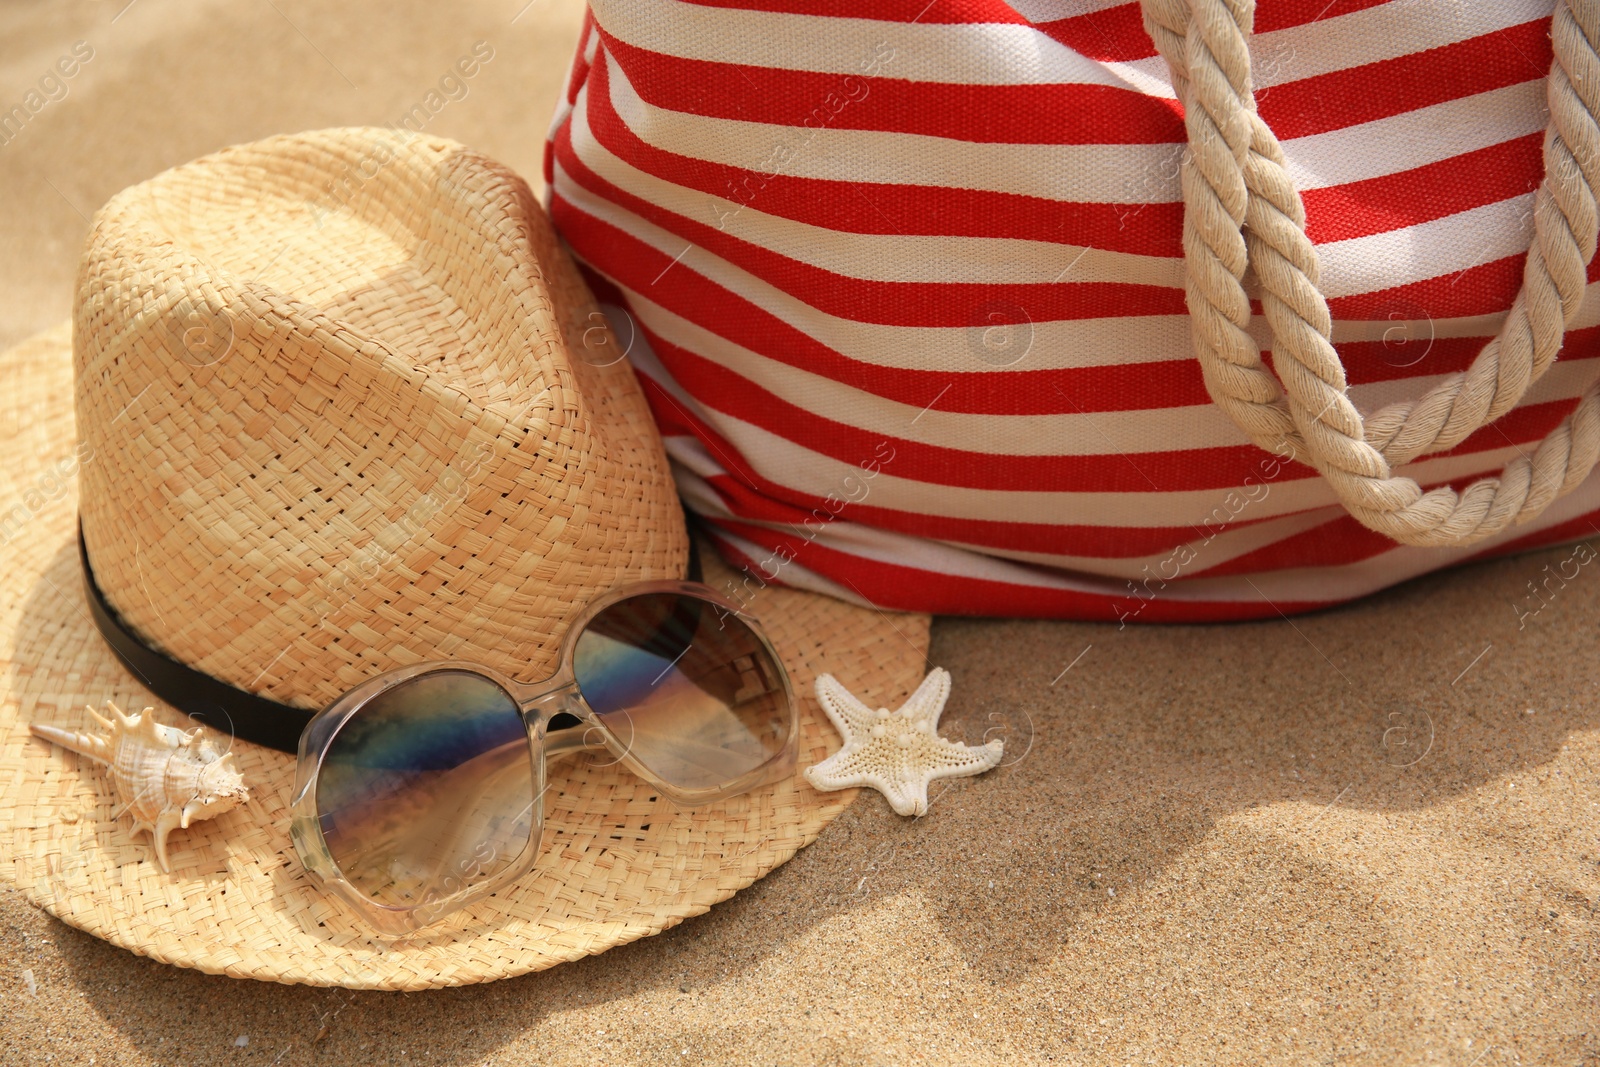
x: 428, y: 790
x: 688, y: 689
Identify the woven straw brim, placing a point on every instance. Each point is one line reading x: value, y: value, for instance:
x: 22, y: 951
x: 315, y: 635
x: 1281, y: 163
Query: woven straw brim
x: 617, y: 863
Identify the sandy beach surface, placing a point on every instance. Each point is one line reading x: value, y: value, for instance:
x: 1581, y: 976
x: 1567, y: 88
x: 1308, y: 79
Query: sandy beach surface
x: 1369, y: 836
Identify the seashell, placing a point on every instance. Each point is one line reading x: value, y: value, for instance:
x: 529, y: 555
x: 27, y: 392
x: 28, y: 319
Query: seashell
x: 167, y: 777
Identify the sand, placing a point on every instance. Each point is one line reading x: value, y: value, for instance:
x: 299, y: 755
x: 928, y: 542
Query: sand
x: 1366, y: 836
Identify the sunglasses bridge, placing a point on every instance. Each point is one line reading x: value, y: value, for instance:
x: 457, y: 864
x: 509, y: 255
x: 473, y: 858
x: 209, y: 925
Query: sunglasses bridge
x: 556, y: 716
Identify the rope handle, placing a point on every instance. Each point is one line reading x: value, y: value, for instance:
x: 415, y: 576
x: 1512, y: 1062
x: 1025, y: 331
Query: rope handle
x: 1242, y: 211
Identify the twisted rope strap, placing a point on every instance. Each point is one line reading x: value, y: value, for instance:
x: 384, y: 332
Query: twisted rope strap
x: 1242, y: 210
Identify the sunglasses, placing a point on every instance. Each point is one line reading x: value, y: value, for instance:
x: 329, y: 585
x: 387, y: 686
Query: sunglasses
x: 422, y: 790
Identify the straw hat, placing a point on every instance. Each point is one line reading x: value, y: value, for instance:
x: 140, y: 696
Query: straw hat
x: 343, y: 404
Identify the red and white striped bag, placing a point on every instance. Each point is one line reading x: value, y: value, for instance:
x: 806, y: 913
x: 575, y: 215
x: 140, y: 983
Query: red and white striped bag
x: 958, y: 306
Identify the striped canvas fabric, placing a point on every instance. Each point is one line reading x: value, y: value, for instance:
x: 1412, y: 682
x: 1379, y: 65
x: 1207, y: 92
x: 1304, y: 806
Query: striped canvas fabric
x: 904, y: 284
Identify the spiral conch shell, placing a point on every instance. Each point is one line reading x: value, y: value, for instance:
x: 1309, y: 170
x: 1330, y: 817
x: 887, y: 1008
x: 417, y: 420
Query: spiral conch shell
x: 166, y: 777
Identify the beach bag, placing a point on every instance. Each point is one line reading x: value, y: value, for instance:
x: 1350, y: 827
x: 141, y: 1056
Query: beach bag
x: 1178, y: 311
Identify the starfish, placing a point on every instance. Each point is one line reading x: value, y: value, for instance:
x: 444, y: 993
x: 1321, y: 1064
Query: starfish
x: 897, y: 753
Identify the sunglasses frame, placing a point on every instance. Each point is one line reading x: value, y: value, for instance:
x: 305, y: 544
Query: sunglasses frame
x: 538, y: 703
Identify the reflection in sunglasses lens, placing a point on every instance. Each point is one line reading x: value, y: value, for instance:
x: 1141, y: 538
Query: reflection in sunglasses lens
x: 689, y: 690
x: 428, y: 790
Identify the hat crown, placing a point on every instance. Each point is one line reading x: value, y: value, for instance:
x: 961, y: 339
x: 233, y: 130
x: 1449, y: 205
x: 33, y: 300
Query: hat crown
x: 344, y: 405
